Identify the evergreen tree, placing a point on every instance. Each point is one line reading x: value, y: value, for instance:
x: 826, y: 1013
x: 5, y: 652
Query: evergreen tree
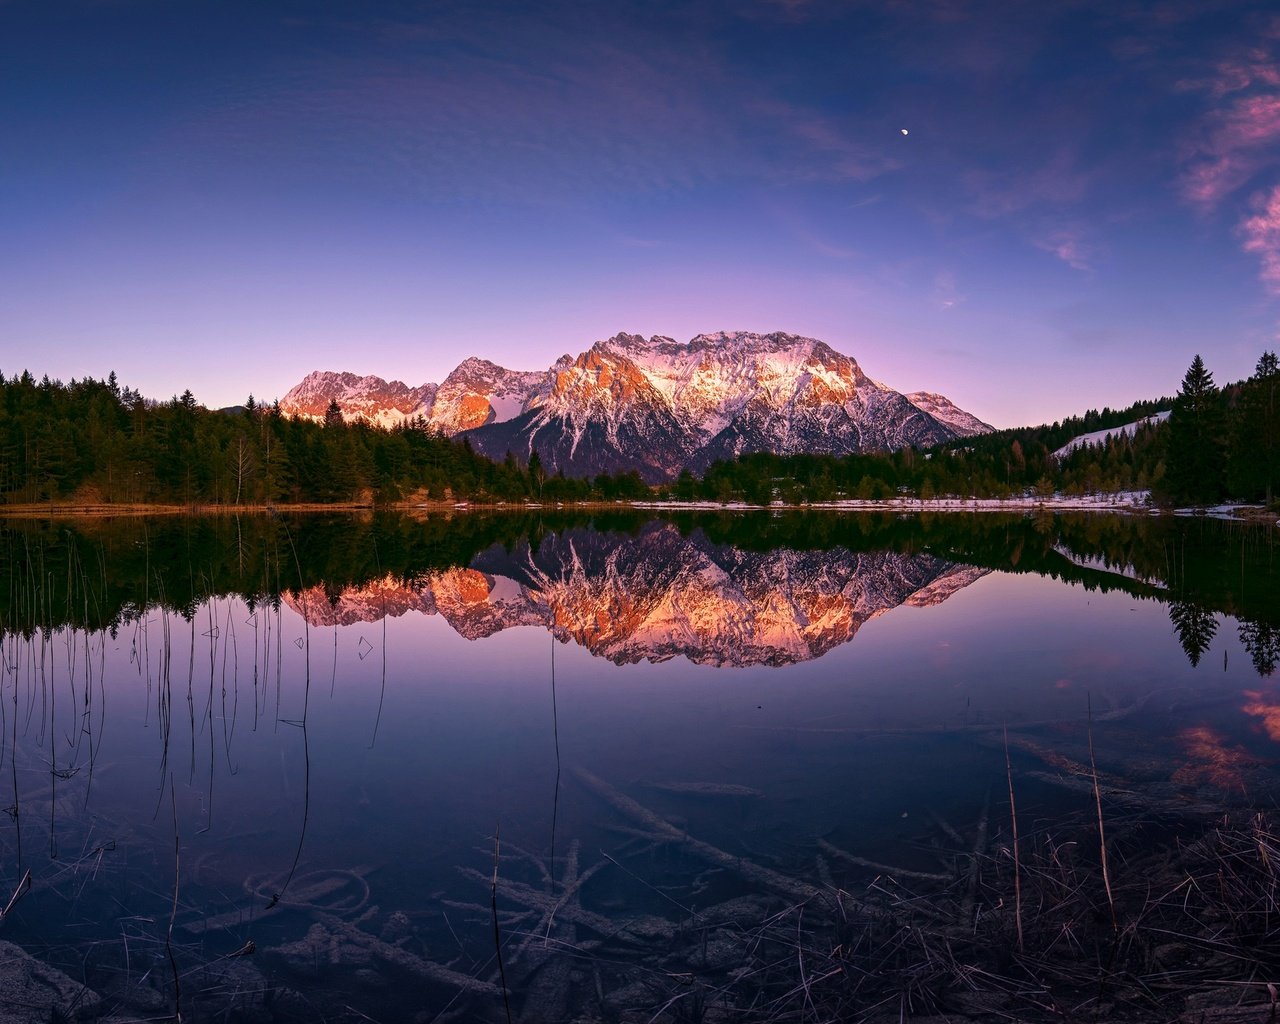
x: 1194, y: 467
x: 1255, y: 451
x: 1195, y: 627
x: 1262, y: 641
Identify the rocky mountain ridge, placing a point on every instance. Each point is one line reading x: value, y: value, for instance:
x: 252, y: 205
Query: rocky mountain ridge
x: 655, y: 405
x: 660, y: 594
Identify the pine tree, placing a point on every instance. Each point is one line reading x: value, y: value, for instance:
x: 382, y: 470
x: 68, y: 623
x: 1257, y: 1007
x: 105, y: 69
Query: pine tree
x: 1195, y: 627
x: 1194, y: 469
x: 1263, y: 394
x: 1262, y: 641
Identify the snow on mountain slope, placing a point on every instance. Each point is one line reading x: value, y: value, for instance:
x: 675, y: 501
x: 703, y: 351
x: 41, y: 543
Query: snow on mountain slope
x: 946, y: 411
x: 658, y: 406
x: 1100, y: 436
x: 479, y: 392
x: 383, y: 403
x: 475, y: 393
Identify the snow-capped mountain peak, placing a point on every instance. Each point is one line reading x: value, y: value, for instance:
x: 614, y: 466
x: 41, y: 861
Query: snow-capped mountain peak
x: 477, y: 392
x: 383, y: 403
x: 658, y: 406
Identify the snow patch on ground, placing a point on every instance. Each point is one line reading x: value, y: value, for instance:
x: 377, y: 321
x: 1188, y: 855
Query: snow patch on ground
x: 1100, y: 436
x: 1125, y: 502
x: 1121, y: 501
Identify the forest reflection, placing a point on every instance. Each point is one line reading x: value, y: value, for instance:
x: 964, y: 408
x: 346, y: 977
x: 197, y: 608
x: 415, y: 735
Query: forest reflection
x: 718, y: 589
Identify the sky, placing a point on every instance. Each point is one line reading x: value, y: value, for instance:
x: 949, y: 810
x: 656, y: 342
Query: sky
x: 1032, y: 208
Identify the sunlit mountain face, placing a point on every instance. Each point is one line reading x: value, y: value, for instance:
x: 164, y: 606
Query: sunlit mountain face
x: 654, y: 405
x: 659, y: 594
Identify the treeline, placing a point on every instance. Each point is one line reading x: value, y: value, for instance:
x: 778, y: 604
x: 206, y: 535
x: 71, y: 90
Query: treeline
x: 95, y: 442
x: 1217, y: 444
x: 1001, y: 464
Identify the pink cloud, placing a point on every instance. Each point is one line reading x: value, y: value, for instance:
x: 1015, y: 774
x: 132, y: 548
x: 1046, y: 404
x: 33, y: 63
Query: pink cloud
x: 1235, y: 75
x: 1238, y: 142
x: 1234, y: 146
x: 1261, y: 235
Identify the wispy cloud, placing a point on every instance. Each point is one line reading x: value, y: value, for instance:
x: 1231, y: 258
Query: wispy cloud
x: 1234, y: 75
x: 1058, y: 181
x: 799, y: 227
x: 1235, y: 145
x: 529, y: 110
x: 1068, y: 245
x: 822, y: 148
x: 1260, y: 233
x: 946, y: 292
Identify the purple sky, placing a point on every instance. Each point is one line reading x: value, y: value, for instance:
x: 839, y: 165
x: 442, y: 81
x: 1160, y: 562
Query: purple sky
x: 225, y: 195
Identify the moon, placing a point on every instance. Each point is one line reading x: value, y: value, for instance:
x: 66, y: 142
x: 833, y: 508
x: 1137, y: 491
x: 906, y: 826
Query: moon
x: 905, y: 132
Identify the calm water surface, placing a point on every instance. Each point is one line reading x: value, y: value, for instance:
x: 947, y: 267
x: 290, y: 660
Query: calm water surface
x: 322, y: 736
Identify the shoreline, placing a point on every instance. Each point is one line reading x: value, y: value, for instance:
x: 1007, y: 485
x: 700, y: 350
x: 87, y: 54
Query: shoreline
x: 1121, y: 503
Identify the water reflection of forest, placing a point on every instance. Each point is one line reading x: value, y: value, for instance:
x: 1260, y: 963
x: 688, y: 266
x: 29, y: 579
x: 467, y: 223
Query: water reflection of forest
x: 716, y: 588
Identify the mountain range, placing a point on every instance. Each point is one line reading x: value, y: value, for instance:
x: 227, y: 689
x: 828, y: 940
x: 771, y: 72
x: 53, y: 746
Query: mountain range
x: 659, y: 594
x: 655, y: 406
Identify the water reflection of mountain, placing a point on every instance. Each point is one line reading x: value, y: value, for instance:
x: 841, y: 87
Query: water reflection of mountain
x: 658, y: 594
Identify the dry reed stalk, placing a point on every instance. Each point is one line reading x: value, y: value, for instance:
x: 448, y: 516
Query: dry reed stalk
x: 1017, y: 863
x: 497, y: 936
x: 1102, y: 838
x: 24, y: 886
x: 884, y: 869
x: 173, y: 912
x: 659, y: 828
x: 975, y: 864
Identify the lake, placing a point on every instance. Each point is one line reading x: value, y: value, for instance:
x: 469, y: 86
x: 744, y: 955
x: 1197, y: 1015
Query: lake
x: 541, y: 766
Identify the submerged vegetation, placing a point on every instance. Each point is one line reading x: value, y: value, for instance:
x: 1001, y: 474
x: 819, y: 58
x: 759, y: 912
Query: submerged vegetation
x: 93, y: 442
x: 1080, y: 867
